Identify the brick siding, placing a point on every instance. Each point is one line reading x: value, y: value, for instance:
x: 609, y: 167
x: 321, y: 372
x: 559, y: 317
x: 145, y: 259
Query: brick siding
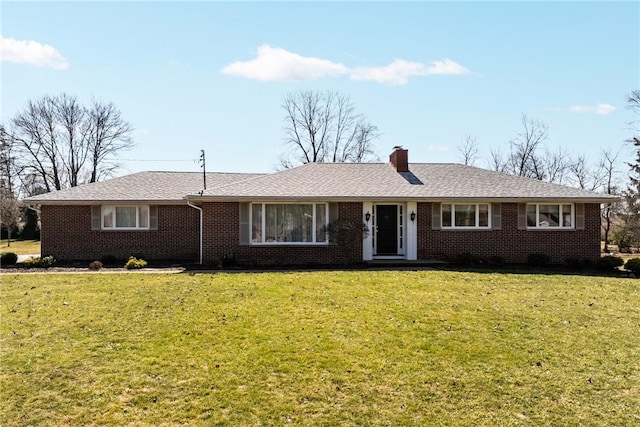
x: 222, y: 237
x: 67, y: 235
x: 509, y: 243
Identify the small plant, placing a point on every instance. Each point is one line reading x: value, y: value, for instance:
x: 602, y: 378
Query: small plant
x: 466, y: 259
x: 95, y: 265
x: 608, y: 263
x: 538, y: 260
x: 8, y: 258
x: 574, y: 264
x: 108, y: 259
x: 135, y: 263
x: 496, y: 260
x: 633, y: 265
x: 39, y: 262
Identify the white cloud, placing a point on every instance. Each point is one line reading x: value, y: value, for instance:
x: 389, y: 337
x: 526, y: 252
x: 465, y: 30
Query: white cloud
x: 399, y: 71
x: 31, y: 52
x: 437, y: 147
x: 276, y: 64
x: 600, y: 109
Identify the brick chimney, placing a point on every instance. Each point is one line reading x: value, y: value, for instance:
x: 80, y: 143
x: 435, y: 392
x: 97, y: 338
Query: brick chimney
x: 400, y: 159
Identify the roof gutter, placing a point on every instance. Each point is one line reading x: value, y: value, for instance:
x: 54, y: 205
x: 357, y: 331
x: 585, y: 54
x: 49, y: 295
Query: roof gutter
x: 200, y: 234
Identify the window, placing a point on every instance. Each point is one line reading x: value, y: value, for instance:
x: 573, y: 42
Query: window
x: 278, y: 223
x: 125, y: 217
x: 549, y: 216
x: 475, y: 215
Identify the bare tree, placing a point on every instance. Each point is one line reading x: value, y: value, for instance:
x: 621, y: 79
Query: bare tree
x: 63, y: 144
x: 8, y: 170
x: 556, y: 165
x: 496, y: 161
x: 108, y: 134
x: 469, y: 150
x: 524, y: 158
x: 633, y: 103
x: 9, y: 212
x: 587, y: 177
x: 324, y: 127
x: 608, y: 167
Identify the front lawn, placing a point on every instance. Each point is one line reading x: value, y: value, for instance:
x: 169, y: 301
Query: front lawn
x: 319, y: 348
x: 21, y: 247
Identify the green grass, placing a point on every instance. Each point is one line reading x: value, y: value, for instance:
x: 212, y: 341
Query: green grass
x: 319, y: 348
x: 20, y: 247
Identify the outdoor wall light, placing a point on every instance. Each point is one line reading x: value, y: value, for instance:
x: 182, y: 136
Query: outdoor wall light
x: 412, y: 216
x: 367, y: 216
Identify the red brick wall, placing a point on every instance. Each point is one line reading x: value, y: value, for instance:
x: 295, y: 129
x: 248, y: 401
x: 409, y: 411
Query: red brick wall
x: 67, y: 235
x: 222, y: 236
x: 509, y: 243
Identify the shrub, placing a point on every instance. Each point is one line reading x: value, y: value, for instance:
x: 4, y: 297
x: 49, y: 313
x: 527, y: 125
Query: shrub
x: 39, y: 262
x: 135, y: 263
x: 574, y: 263
x: 95, y: 265
x: 466, y: 259
x: 538, y: 260
x: 608, y: 263
x: 108, y: 259
x: 633, y: 265
x: 496, y: 260
x: 8, y: 258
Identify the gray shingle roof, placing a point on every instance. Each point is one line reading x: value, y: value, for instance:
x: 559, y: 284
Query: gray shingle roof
x: 380, y: 181
x: 155, y: 187
x: 324, y: 182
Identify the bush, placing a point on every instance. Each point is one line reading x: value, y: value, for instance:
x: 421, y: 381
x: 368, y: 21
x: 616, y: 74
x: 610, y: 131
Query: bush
x: 95, y: 265
x: 574, y: 263
x: 108, y: 259
x: 538, y: 260
x: 38, y: 262
x: 135, y: 263
x: 496, y: 260
x: 633, y: 265
x: 8, y: 258
x: 466, y: 259
x: 608, y: 263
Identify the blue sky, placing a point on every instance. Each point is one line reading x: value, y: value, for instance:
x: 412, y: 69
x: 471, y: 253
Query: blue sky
x: 212, y: 75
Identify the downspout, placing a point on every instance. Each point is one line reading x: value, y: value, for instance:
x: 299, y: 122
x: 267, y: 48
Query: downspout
x: 199, y: 209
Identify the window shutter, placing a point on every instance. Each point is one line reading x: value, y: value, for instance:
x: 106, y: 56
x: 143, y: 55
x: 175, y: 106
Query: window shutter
x: 153, y: 217
x: 579, y: 216
x: 244, y: 223
x: 333, y: 212
x: 436, y: 223
x: 96, y: 217
x: 496, y: 216
x: 522, y: 216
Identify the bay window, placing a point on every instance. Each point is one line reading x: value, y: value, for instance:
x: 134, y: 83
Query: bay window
x: 288, y: 223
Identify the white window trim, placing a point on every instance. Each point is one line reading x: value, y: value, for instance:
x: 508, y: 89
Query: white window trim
x: 263, y: 225
x: 453, y: 225
x: 561, y: 217
x: 114, y: 228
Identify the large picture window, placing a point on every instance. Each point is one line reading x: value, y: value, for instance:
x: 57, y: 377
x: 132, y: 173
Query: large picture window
x: 550, y: 215
x: 125, y: 217
x: 278, y: 223
x: 467, y: 215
